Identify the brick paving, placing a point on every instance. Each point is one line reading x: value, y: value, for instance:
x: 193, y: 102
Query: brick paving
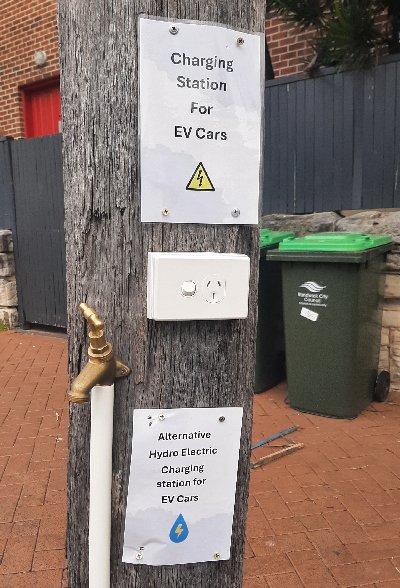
x: 325, y: 516
x: 329, y: 514
x: 33, y: 459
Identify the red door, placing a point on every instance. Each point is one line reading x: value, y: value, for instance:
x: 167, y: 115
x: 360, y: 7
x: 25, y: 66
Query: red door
x: 42, y: 108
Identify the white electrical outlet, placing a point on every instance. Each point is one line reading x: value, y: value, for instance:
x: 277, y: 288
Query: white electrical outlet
x: 214, y: 288
x: 197, y: 286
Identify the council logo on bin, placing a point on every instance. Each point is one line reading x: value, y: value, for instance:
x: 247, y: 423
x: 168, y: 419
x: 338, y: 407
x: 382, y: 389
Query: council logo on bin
x: 312, y: 287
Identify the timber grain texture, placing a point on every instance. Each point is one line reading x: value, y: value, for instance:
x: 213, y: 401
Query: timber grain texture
x: 196, y: 363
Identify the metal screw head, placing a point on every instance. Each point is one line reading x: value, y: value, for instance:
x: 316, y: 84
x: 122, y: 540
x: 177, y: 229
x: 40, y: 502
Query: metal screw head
x: 235, y: 212
x: 173, y: 30
x: 139, y: 556
x: 161, y: 417
x: 221, y: 419
x: 165, y: 212
x: 240, y: 41
x: 217, y: 555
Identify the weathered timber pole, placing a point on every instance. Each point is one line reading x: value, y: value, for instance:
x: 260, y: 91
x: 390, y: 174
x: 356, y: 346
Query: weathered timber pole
x: 174, y: 364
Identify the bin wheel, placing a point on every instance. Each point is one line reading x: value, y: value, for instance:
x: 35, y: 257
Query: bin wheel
x: 382, y: 386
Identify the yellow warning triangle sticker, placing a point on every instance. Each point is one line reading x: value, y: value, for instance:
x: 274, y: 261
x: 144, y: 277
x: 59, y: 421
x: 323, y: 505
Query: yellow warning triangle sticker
x: 200, y: 180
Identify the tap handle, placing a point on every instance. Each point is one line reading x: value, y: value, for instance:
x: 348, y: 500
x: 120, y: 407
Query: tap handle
x: 103, y: 368
x: 92, y: 318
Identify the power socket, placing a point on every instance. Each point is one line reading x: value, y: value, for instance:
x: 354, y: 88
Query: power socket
x: 197, y: 286
x: 214, y: 289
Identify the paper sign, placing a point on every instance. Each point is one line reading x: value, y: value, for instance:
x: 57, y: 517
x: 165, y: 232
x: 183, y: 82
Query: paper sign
x: 200, y: 119
x: 182, y: 485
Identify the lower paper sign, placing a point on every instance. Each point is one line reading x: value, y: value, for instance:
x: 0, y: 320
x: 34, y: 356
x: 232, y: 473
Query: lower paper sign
x: 182, y: 485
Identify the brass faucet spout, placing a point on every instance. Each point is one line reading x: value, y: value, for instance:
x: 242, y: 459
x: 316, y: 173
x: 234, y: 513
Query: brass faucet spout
x: 102, y: 368
x: 91, y: 375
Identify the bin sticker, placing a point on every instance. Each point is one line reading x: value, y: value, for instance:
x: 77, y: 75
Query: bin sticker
x: 314, y: 295
x: 309, y: 314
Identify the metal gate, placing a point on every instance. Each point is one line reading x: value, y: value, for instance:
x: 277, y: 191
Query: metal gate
x: 40, y: 247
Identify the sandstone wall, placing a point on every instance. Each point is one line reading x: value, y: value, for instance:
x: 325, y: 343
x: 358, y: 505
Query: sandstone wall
x: 8, y: 288
x: 376, y: 222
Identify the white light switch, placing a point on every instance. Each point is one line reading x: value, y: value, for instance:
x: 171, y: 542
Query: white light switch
x: 197, y: 286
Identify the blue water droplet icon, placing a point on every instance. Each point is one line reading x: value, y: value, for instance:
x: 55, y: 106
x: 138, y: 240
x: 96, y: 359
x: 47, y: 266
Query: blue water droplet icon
x: 179, y: 530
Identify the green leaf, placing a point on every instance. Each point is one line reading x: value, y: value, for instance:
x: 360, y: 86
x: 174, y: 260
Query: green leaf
x: 345, y: 31
x: 305, y: 13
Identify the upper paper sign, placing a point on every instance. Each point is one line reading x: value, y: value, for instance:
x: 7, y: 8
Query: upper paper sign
x: 200, y: 114
x: 182, y: 485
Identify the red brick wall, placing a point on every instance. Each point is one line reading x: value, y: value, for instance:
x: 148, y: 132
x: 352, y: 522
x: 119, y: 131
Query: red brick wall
x: 290, y: 47
x: 25, y: 27
x: 29, y: 25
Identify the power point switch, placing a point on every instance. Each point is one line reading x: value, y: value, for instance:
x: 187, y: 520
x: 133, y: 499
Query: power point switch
x: 188, y: 288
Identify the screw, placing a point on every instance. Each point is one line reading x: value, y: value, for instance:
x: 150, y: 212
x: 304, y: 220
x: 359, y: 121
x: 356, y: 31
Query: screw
x: 161, y: 417
x: 221, y: 419
x: 173, y: 30
x: 240, y: 41
x: 235, y: 212
x: 217, y: 555
x: 165, y: 212
x: 139, y: 556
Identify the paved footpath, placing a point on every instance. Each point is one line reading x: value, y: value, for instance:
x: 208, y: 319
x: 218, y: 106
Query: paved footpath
x: 326, y: 516
x: 33, y: 460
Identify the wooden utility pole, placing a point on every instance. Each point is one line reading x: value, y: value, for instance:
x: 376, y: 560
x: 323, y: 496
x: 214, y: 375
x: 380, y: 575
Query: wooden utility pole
x: 174, y: 364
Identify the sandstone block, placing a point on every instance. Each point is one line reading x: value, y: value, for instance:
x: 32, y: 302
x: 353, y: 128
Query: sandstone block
x: 384, y: 361
x: 385, y: 332
x: 392, y: 286
x: 372, y: 221
x: 9, y: 316
x: 7, y: 265
x: 301, y: 224
x: 391, y: 317
x: 6, y: 242
x: 395, y: 371
x: 393, y: 262
x: 395, y: 342
x: 8, y: 292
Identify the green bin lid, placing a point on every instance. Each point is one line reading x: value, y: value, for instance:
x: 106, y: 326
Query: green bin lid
x: 268, y: 237
x: 335, y: 242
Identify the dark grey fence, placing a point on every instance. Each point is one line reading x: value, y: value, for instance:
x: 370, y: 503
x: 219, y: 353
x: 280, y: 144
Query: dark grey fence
x: 33, y: 188
x: 7, y: 209
x: 333, y: 142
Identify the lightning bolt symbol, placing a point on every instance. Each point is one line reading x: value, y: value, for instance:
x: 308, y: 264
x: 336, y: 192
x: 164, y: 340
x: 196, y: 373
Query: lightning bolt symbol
x: 200, y: 177
x: 179, y: 530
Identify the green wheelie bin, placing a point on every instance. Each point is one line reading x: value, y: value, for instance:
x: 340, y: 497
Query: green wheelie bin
x: 332, y: 293
x: 270, y: 351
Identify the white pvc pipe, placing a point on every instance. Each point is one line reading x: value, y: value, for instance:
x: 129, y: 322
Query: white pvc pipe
x: 101, y: 438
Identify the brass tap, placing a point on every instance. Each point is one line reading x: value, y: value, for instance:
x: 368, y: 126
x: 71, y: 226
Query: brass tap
x: 102, y: 368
